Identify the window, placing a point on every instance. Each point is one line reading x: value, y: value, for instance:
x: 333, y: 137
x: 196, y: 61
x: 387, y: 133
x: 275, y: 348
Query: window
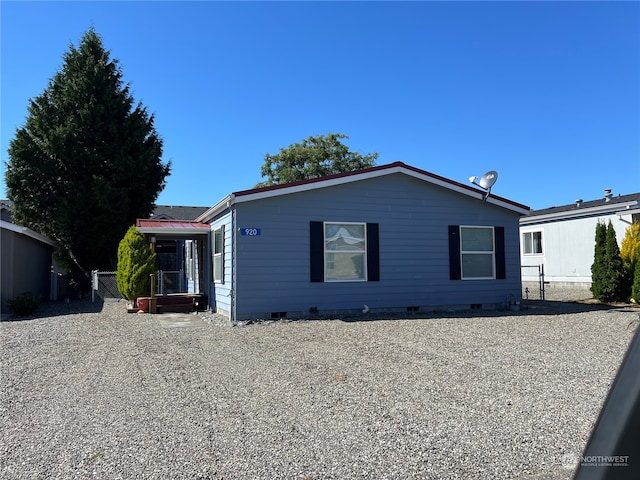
x: 532, y: 243
x: 477, y: 252
x: 190, y: 262
x: 218, y: 255
x: 345, y: 252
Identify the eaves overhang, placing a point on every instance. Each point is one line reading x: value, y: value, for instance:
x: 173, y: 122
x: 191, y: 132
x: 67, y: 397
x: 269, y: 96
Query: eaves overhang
x: 171, y: 227
x: 623, y: 208
x: 27, y: 232
x: 358, y: 175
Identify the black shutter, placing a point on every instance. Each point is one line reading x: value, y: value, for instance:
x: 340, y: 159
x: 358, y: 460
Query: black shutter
x: 373, y: 253
x: 316, y: 245
x: 500, y: 254
x: 455, y: 270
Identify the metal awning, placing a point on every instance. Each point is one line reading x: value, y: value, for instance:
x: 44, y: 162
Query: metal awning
x: 171, y: 227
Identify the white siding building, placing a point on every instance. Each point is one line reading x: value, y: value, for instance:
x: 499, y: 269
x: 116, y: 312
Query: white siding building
x: 560, y: 240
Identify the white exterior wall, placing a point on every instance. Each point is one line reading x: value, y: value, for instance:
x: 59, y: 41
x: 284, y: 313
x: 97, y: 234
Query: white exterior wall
x: 567, y: 248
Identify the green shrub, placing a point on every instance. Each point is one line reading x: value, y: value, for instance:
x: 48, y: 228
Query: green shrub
x: 136, y: 262
x: 635, y: 290
x: 598, y: 268
x: 610, y: 279
x: 24, y: 304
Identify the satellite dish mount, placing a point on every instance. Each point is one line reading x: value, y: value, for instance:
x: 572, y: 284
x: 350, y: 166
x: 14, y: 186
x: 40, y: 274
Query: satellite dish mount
x: 485, y: 182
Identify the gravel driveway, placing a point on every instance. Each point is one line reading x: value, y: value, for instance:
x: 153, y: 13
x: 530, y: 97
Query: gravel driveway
x: 97, y: 393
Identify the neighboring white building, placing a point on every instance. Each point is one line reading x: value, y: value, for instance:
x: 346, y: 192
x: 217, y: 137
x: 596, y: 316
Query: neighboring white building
x: 560, y: 240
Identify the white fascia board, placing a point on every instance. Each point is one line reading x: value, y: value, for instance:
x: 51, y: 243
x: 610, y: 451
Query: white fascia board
x: 28, y: 232
x: 175, y: 232
x: 581, y: 212
x: 223, y: 204
x: 374, y: 174
x: 305, y: 187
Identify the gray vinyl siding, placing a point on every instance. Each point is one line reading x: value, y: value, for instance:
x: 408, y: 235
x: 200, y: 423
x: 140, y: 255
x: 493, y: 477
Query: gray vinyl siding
x: 273, y: 272
x: 220, y: 293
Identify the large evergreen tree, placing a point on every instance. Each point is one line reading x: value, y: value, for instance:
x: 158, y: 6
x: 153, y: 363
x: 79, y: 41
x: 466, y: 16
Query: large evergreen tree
x: 87, y: 162
x: 312, y: 158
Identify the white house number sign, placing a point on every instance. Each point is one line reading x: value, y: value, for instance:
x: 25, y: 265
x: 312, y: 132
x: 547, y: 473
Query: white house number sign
x: 250, y: 232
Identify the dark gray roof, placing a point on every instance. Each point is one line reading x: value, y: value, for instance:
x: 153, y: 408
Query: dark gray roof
x: 177, y: 212
x: 617, y: 199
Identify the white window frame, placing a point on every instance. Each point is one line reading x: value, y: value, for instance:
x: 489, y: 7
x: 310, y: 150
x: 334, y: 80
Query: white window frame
x: 218, y: 257
x: 524, y: 243
x: 491, y: 253
x: 326, y: 252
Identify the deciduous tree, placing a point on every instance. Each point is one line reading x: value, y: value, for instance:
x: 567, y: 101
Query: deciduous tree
x: 312, y: 158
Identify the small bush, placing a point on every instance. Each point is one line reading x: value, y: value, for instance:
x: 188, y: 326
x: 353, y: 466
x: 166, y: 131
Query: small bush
x: 136, y: 262
x: 635, y: 294
x: 24, y: 304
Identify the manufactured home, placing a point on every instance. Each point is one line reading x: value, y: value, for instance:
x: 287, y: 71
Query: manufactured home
x: 386, y: 238
x: 559, y: 242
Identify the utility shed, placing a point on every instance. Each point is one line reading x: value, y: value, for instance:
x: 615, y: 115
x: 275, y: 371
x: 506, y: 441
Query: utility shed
x: 27, y: 264
x: 386, y: 238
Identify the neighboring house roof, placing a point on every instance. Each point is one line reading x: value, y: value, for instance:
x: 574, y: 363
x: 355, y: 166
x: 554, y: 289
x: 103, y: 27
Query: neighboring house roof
x: 6, y: 209
x: 174, y: 226
x: 354, y: 176
x: 620, y: 205
x: 177, y: 212
x: 27, y: 232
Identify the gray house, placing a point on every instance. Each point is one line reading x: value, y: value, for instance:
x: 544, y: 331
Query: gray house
x: 27, y: 264
x: 386, y: 238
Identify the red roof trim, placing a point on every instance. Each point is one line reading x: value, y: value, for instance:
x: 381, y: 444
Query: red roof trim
x: 369, y: 170
x: 173, y: 224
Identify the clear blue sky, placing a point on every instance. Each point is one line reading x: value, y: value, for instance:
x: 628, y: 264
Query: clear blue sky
x: 547, y: 94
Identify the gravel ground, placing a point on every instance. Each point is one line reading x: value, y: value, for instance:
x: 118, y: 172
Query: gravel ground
x: 89, y: 391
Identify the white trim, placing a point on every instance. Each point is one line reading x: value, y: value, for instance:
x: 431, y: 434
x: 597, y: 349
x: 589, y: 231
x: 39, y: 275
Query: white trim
x: 479, y: 252
x: 364, y: 253
x: 28, y: 232
x: 223, y: 204
x: 315, y: 184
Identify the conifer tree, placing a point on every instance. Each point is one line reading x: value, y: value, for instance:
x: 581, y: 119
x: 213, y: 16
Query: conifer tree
x: 635, y: 289
x: 618, y: 288
x: 609, y: 281
x: 136, y: 262
x: 87, y: 162
x: 598, y: 268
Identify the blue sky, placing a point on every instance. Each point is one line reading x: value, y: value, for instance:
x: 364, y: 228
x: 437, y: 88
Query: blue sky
x: 546, y: 93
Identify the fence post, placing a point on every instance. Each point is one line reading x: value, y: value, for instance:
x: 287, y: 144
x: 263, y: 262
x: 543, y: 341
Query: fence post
x: 94, y: 284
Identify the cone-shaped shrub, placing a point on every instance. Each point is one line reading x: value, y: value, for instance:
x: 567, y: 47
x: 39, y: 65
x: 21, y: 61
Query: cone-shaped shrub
x: 136, y: 262
x: 635, y: 293
x: 598, y: 269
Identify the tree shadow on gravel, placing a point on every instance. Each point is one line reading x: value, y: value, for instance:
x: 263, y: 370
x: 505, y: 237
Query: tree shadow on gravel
x: 59, y: 308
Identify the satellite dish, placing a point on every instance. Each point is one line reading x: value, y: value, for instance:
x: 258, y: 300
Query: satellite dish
x: 485, y: 182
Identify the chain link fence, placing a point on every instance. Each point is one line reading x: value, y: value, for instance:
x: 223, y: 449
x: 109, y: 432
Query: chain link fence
x: 104, y: 285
